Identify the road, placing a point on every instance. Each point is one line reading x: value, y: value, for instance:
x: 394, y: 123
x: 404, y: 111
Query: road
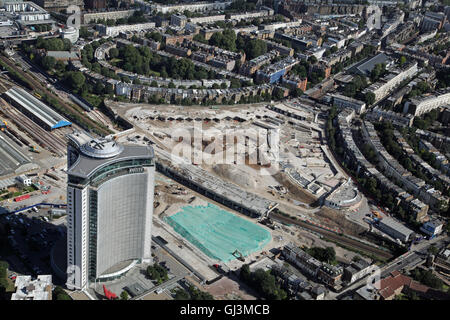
x: 162, y: 286
x: 407, y: 261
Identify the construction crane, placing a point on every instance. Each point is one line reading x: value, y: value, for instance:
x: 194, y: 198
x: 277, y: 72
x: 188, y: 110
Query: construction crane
x: 238, y: 255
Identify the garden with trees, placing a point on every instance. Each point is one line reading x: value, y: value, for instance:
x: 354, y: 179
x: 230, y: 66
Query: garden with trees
x: 157, y: 273
x: 263, y: 282
x: 145, y: 62
x: 327, y: 254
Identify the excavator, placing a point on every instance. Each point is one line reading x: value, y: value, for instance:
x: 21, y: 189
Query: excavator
x: 33, y: 149
x: 3, y: 125
x: 238, y: 255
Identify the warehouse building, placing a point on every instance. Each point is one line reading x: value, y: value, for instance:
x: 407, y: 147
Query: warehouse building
x: 395, y: 229
x: 35, y: 109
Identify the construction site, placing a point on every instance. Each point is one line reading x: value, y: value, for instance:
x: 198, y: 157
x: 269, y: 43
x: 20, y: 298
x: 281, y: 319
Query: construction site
x: 234, y: 195
x: 276, y: 151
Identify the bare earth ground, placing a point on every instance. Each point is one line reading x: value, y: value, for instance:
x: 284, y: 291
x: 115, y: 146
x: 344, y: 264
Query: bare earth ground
x: 229, y: 289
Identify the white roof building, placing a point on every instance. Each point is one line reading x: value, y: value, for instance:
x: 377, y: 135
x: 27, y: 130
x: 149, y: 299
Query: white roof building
x: 38, y: 289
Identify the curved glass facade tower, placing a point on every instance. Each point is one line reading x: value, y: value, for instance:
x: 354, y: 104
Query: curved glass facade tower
x: 110, y: 206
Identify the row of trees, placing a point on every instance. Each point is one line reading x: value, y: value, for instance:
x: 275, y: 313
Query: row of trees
x: 427, y: 278
x: 137, y: 17
x: 418, y: 90
x: 426, y: 120
x: 327, y: 254
x: 192, y: 293
x: 53, y: 44
x: 228, y: 40
x: 388, y: 140
x: 42, y: 27
x: 143, y: 61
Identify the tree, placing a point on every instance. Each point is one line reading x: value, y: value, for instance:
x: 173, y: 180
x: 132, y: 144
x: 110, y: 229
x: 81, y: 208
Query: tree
x: 84, y: 33
x: 312, y: 60
x: 99, y: 88
x: 48, y: 62
x: 60, y: 294
x: 75, y: 79
x: 278, y: 94
x: 377, y: 71
x: 297, y: 92
x: 197, y: 294
x: 181, y: 294
x: 124, y: 295
x: 369, y: 98
x: 158, y: 273
x: 433, y: 250
x: 402, y: 60
x: 113, y: 53
x: 263, y: 282
x: 253, y: 48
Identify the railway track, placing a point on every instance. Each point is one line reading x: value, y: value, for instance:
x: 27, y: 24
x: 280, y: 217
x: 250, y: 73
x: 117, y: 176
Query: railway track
x: 38, y: 85
x: 379, y: 253
x: 43, y: 138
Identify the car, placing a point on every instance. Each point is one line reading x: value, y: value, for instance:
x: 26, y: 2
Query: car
x: 13, y: 276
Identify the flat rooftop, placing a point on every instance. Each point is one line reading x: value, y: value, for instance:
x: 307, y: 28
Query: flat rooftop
x: 37, y: 108
x: 97, y: 153
x: 367, y: 65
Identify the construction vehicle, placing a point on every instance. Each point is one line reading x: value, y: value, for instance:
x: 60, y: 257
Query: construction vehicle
x: 377, y: 214
x: 3, y: 125
x: 33, y: 149
x: 238, y: 255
